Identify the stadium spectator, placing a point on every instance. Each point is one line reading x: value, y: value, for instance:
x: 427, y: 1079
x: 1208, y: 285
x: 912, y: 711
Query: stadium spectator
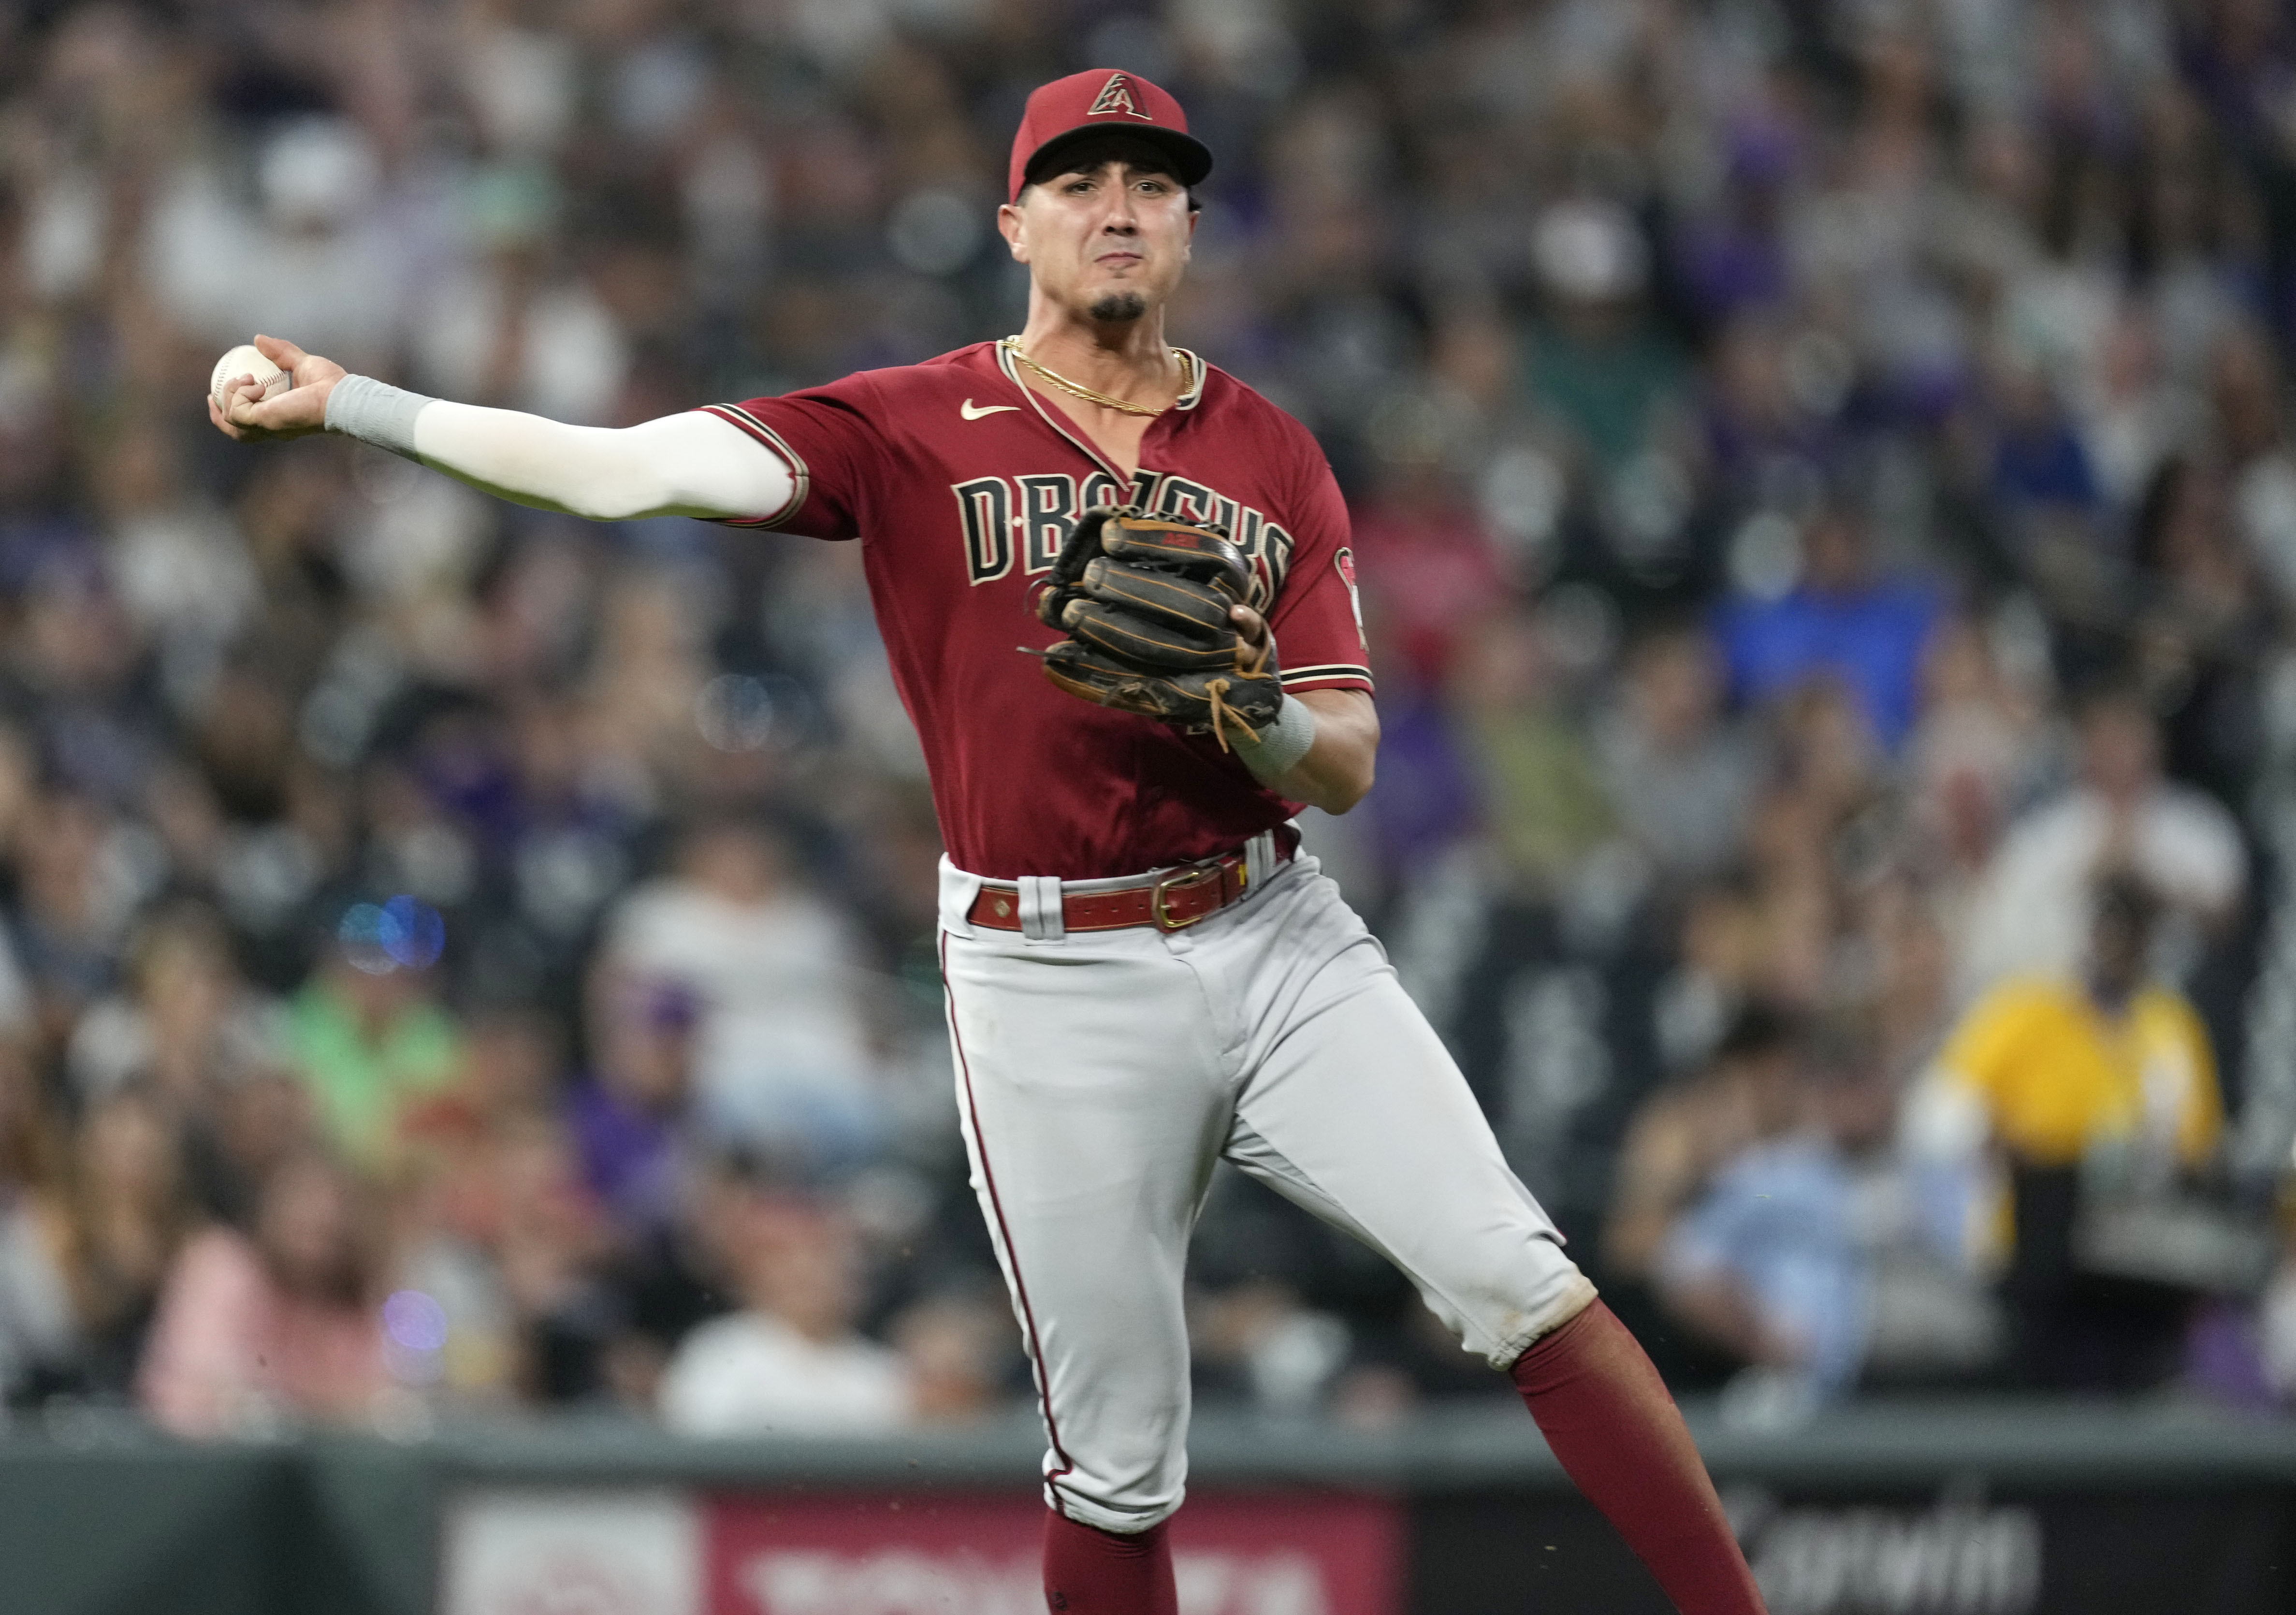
x: 782, y: 1054
x: 248, y: 1125
x: 551, y: 1245
x: 1417, y: 524
x: 1840, y: 622
x: 2040, y: 460
x: 1973, y: 760
x: 2081, y: 1083
x: 101, y: 1237
x: 630, y: 1117
x: 1765, y: 1262
x: 1596, y: 360
x: 1680, y: 1137
x: 186, y: 1024
x: 369, y: 1040
x: 2204, y: 625
x: 959, y: 1349
x: 1541, y: 800
x: 277, y: 1327
x: 1680, y: 775
x: 1685, y: 1132
x: 39, y: 1332
x: 76, y: 897
x: 2031, y: 912
x: 791, y: 1361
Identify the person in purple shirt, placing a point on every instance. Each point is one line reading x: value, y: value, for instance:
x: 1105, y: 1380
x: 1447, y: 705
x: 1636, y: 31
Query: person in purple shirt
x: 625, y: 1115
x: 1840, y: 621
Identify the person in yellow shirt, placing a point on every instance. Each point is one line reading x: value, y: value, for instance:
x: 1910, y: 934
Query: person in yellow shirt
x: 2060, y: 1077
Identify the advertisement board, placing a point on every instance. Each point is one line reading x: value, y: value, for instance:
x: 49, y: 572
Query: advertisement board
x: 546, y: 1551
x: 1964, y: 1548
x: 511, y: 1551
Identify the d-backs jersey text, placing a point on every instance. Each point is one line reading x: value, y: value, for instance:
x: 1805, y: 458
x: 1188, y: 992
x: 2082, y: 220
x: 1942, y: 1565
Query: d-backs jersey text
x: 962, y: 483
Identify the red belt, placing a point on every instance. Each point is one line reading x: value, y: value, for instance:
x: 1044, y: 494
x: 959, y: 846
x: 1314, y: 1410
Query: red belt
x: 1171, y: 901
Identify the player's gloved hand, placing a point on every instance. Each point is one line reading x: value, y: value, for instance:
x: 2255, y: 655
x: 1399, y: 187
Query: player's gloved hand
x: 1147, y: 605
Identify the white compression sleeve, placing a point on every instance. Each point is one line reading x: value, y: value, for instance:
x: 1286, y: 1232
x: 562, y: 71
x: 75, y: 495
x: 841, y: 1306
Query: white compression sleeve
x: 1272, y: 751
x: 690, y: 465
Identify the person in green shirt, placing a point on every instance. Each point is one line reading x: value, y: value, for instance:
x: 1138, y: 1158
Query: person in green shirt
x: 366, y: 1043
x: 1542, y: 800
x: 1595, y: 358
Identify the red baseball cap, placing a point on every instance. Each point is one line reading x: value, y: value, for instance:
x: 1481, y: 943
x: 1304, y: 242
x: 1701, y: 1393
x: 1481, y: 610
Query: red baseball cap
x: 1097, y: 102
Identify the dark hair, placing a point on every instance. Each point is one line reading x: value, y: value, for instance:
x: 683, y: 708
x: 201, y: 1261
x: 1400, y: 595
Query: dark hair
x: 2124, y: 899
x: 1757, y: 1031
x: 2148, y: 529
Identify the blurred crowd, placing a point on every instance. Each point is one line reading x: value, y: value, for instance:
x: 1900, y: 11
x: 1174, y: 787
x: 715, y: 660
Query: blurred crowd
x: 1825, y: 487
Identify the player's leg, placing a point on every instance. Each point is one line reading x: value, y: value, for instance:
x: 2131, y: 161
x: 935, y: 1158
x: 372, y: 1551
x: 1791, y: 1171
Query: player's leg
x: 1354, y: 1110
x: 1091, y: 1571
x: 1092, y: 1099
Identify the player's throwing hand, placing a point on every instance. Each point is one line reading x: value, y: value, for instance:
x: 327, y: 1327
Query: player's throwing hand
x: 250, y: 417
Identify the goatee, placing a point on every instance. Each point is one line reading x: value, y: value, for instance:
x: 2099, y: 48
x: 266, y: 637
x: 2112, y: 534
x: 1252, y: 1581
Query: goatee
x: 1119, y: 308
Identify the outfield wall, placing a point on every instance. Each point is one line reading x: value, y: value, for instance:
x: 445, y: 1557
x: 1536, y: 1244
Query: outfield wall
x: 1948, y: 1509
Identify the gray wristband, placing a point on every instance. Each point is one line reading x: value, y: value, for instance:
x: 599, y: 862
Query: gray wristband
x: 1272, y: 751
x: 374, y: 412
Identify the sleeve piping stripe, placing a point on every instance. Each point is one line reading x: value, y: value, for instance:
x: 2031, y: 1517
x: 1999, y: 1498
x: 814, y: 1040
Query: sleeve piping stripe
x: 801, y: 479
x: 1324, y: 670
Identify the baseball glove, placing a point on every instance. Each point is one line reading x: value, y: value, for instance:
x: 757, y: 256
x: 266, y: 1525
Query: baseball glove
x: 1144, y: 601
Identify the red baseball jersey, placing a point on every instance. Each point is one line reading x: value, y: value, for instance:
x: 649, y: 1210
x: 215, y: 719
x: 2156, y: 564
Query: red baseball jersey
x: 961, y: 484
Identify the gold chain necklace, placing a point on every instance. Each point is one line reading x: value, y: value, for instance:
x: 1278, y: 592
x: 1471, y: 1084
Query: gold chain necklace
x: 1188, y: 362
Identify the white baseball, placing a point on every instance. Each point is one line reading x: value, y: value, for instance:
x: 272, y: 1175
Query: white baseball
x: 246, y: 360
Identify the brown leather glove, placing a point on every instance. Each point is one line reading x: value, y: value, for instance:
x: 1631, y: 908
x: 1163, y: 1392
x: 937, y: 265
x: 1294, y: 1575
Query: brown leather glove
x: 1144, y: 601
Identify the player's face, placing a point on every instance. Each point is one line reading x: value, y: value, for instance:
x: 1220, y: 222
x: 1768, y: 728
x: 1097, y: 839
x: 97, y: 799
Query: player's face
x: 1108, y: 239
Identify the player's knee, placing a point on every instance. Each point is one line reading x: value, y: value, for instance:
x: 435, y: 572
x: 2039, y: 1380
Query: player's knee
x: 1560, y: 1295
x: 1127, y: 1511
x: 1499, y: 1316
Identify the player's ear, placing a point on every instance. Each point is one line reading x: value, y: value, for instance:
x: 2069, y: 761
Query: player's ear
x: 1012, y: 227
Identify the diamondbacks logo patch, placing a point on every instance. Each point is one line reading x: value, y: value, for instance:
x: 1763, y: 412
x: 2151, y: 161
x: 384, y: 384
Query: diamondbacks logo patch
x: 1346, y: 562
x: 1116, y: 96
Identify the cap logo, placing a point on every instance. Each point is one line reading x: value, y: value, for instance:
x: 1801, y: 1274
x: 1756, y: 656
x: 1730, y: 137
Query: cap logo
x: 1116, y: 96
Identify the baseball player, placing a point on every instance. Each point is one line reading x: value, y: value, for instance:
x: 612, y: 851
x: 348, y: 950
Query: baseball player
x: 1144, y: 975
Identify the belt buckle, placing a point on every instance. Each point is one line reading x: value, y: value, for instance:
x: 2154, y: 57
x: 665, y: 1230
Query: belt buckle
x: 1186, y: 880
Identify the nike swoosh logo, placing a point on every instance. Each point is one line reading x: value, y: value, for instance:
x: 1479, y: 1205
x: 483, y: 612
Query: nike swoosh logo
x: 973, y: 412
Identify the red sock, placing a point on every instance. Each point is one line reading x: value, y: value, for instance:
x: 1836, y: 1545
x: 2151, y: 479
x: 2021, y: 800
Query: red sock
x: 1607, y: 1414
x: 1089, y: 1571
